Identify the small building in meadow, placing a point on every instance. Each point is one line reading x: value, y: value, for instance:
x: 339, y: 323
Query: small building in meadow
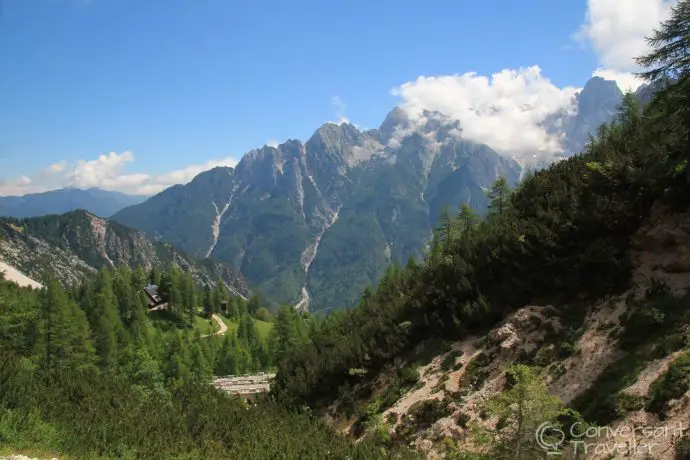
x: 154, y: 299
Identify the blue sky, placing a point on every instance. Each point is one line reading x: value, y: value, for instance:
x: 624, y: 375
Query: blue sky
x: 185, y: 82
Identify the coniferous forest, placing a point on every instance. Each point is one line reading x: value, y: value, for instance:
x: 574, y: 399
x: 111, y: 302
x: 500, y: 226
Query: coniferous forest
x: 87, y: 371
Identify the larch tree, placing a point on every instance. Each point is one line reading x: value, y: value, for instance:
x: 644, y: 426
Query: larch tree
x: 499, y: 197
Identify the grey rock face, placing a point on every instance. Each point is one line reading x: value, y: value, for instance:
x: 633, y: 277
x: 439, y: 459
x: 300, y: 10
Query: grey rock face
x: 315, y: 223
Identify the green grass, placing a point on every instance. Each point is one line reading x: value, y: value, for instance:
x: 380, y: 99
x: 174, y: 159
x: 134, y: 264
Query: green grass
x: 264, y: 327
x: 205, y: 325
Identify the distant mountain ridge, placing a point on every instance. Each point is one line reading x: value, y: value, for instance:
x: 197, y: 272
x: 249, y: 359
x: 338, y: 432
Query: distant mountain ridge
x: 312, y: 224
x: 103, y: 203
x: 76, y: 244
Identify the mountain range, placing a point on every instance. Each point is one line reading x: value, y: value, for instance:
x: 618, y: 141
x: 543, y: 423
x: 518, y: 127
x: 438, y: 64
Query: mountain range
x: 313, y: 223
x: 100, y: 202
x: 75, y: 245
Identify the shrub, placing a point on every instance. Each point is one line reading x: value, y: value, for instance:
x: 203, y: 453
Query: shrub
x: 449, y: 360
x: 474, y: 374
x: 565, y: 349
x: 546, y: 355
x: 628, y: 403
x: 672, y: 384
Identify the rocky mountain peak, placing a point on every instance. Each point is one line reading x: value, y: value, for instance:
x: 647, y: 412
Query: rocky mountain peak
x: 343, y: 143
x: 396, y: 119
x: 597, y: 95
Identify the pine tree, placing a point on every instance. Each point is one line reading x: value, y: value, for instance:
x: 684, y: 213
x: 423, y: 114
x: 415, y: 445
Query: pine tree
x: 284, y: 335
x: 199, y: 369
x: 522, y: 409
x: 105, y: 320
x: 208, y: 298
x: 155, y: 276
x: 499, y: 197
x: 446, y: 229
x: 669, y: 62
x: 66, y: 342
x: 253, y: 305
x: 467, y: 220
x: 189, y: 303
x: 670, y: 42
x: 227, y: 359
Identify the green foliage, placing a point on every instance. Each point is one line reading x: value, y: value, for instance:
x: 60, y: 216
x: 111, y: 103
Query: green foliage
x: 521, y: 409
x: 604, y: 401
x: 569, y: 224
x: 672, y: 384
x: 88, y: 375
x: 500, y: 197
x: 629, y: 403
x: 421, y: 415
x: 449, y: 360
x: 683, y: 448
x: 475, y: 373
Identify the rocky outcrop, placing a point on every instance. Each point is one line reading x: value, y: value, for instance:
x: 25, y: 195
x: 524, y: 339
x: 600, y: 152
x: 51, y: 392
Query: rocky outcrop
x: 75, y: 245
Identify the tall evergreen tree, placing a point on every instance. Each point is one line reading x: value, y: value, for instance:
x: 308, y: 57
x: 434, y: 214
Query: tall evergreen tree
x: 65, y: 334
x: 108, y: 329
x: 499, y: 197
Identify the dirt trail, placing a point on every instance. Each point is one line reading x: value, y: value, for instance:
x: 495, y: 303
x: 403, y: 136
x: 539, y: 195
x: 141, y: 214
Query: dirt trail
x: 223, y: 327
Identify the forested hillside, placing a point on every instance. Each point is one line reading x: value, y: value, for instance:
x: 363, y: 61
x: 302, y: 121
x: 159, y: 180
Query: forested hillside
x: 562, y: 238
x: 567, y: 303
x: 313, y: 223
x: 90, y: 373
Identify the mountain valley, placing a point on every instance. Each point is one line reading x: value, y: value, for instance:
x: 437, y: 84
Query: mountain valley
x: 399, y: 293
x: 313, y: 224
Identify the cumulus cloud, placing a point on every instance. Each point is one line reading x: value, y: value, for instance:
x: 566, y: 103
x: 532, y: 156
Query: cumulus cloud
x: 615, y: 29
x: 505, y: 111
x: 626, y: 81
x: 106, y: 172
x: 339, y: 108
x: 513, y: 110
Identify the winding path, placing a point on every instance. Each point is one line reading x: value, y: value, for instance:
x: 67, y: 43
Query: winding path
x: 223, y: 327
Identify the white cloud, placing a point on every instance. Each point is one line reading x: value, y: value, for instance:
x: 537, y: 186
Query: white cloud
x: 15, y: 186
x: 272, y: 143
x: 57, y: 167
x: 616, y: 31
x: 339, y: 108
x: 625, y: 80
x: 507, y: 110
x: 504, y: 111
x: 106, y: 172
